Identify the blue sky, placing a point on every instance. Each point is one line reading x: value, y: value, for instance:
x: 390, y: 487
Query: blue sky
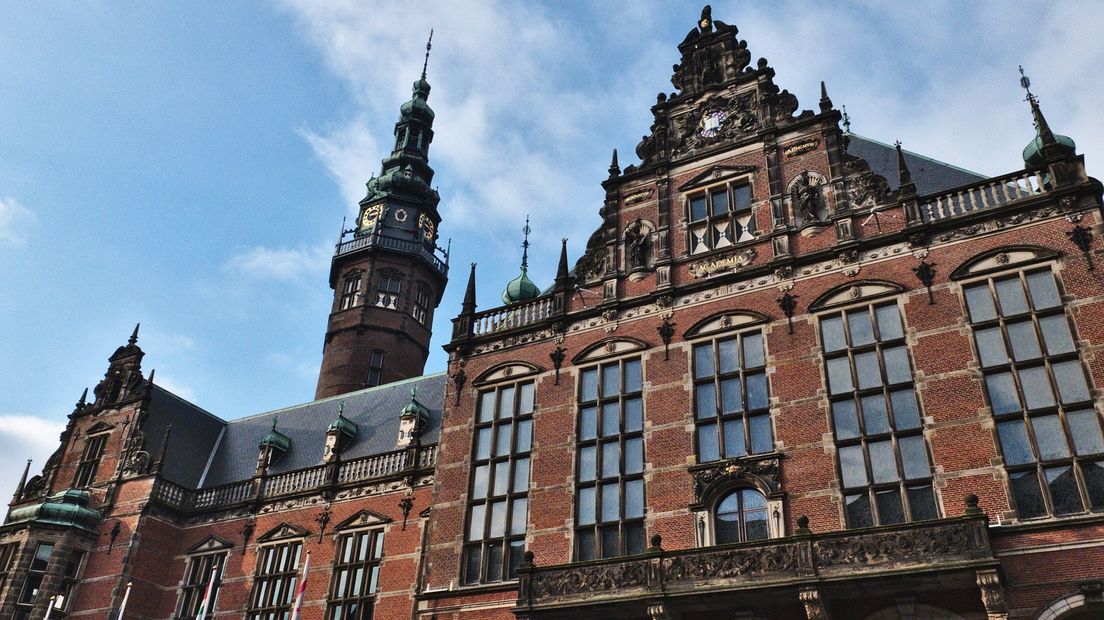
x: 187, y: 165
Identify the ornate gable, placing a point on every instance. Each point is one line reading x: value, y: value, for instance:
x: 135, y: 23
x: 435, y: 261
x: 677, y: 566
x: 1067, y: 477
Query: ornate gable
x: 210, y: 544
x: 716, y: 174
x: 283, y: 531
x: 364, y: 518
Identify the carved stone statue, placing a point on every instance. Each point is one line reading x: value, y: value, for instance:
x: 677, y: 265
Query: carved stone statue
x: 637, y: 241
x: 807, y: 198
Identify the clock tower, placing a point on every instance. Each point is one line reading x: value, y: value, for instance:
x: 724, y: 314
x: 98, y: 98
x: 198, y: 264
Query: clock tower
x: 387, y: 272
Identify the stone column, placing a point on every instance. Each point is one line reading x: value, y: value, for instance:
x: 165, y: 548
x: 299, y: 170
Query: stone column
x: 815, y: 609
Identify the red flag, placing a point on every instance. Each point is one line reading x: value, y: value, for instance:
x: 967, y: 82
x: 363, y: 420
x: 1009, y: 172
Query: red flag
x: 301, y: 590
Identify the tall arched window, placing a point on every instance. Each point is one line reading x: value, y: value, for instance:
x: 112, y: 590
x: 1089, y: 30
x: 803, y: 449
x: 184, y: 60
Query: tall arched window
x: 740, y: 516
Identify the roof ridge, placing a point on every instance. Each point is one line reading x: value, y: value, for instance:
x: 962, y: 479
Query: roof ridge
x: 190, y: 403
x: 339, y: 396
x: 924, y: 157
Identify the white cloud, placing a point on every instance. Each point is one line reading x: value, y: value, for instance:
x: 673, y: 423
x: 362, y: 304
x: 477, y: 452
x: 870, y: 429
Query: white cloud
x: 25, y: 437
x: 281, y: 264
x: 14, y: 219
x: 171, y: 385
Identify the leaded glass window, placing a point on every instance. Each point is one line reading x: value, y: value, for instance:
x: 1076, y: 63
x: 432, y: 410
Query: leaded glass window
x: 883, y: 457
x: 90, y: 460
x: 1047, y: 427
x: 720, y: 217
x: 731, y: 397
x: 197, y: 576
x: 355, y: 575
x: 740, y: 516
x: 498, y: 502
x: 609, y: 473
x: 274, y: 582
x: 350, y: 292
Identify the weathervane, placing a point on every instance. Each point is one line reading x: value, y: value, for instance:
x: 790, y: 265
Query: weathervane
x: 1025, y: 83
x: 525, y: 244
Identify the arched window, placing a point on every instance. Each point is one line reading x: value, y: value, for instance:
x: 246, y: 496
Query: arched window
x: 740, y: 516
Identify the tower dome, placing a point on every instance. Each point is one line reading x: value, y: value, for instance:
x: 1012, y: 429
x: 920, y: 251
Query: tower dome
x: 521, y: 288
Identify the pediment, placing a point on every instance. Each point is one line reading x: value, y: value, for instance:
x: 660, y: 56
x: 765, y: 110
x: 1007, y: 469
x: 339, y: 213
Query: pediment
x: 507, y: 370
x: 715, y: 174
x: 609, y: 347
x: 283, y: 531
x: 854, y: 292
x: 1001, y: 258
x: 210, y: 544
x: 724, y: 322
x: 364, y: 518
x: 98, y: 427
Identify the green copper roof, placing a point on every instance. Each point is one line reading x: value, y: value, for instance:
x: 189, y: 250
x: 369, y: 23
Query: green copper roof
x: 67, y: 508
x: 343, y: 425
x: 276, y: 439
x: 1033, y: 152
x: 520, y: 289
x: 415, y: 408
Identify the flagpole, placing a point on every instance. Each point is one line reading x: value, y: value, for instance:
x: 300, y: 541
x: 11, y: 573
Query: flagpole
x: 50, y: 609
x: 302, y: 590
x: 122, y: 608
x: 205, y: 607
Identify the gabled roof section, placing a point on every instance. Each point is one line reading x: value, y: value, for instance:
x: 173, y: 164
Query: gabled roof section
x: 375, y: 411
x: 715, y: 174
x: 195, y: 435
x: 931, y: 176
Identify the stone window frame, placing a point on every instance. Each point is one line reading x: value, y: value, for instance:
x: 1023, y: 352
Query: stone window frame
x: 364, y: 556
x: 350, y: 291
x: 71, y: 577
x: 1024, y: 417
x: 720, y: 419
x: 374, y: 374
x: 484, y: 534
x: 909, y: 488
x: 730, y: 216
x: 91, y: 454
x: 197, y: 575
x: 273, y: 576
x: 35, y: 573
x: 590, y: 530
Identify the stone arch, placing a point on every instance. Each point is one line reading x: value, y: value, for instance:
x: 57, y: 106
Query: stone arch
x: 1069, y: 606
x: 913, y: 611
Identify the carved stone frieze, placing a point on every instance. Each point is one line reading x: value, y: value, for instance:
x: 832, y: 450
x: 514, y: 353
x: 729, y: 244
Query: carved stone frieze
x: 730, y: 563
x: 715, y: 122
x: 590, y: 579
x: 763, y: 473
x: 901, y: 545
x: 729, y: 263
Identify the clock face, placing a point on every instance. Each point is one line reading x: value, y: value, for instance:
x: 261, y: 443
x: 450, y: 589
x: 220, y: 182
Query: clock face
x: 370, y: 216
x: 711, y: 123
x: 427, y: 227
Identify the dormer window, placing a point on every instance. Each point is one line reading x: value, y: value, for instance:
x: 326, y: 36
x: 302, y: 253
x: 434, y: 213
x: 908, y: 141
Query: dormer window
x: 720, y: 217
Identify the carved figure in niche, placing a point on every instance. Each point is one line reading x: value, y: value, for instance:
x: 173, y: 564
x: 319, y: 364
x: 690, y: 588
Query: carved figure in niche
x: 807, y: 198
x: 638, y: 237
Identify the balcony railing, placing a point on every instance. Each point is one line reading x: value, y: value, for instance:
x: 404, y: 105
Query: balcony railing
x: 385, y: 465
x: 511, y: 317
x: 948, y: 544
x: 440, y: 263
x: 987, y: 194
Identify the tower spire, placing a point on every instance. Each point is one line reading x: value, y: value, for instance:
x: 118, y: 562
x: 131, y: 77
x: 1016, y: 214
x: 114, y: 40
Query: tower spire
x: 907, y: 187
x: 468, y: 307
x: 428, y: 47
x: 1046, y: 145
x: 525, y: 245
x: 134, y: 335
x: 1040, y: 122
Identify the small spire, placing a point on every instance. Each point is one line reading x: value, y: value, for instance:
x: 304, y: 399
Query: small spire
x: 468, y: 306
x: 22, y: 483
x: 525, y: 245
x: 428, y: 47
x: 274, y: 420
x: 164, y: 449
x: 83, y: 398
x: 341, y: 408
x: 825, y: 102
x: 1036, y: 112
x: 149, y: 381
x: 134, y: 335
x: 846, y: 121
x: 907, y: 187
x: 614, y: 169
x: 562, y: 272
x: 413, y: 393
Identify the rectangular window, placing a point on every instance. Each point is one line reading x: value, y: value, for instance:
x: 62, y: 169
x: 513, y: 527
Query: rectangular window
x: 90, y: 460
x: 69, y: 579
x: 355, y: 575
x: 498, y: 504
x: 1047, y: 427
x: 609, y: 475
x: 883, y: 456
x: 375, y: 369
x: 274, y: 581
x: 8, y: 553
x: 421, y: 305
x: 28, y: 596
x: 196, y: 578
x: 720, y: 217
x: 387, y: 293
x: 731, y: 397
x: 350, y: 293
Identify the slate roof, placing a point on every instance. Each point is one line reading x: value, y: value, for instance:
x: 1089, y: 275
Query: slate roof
x: 929, y: 175
x: 206, y: 451
x: 375, y: 411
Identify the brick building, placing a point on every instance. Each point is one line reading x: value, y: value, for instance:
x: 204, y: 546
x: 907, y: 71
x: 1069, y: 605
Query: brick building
x: 796, y: 373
